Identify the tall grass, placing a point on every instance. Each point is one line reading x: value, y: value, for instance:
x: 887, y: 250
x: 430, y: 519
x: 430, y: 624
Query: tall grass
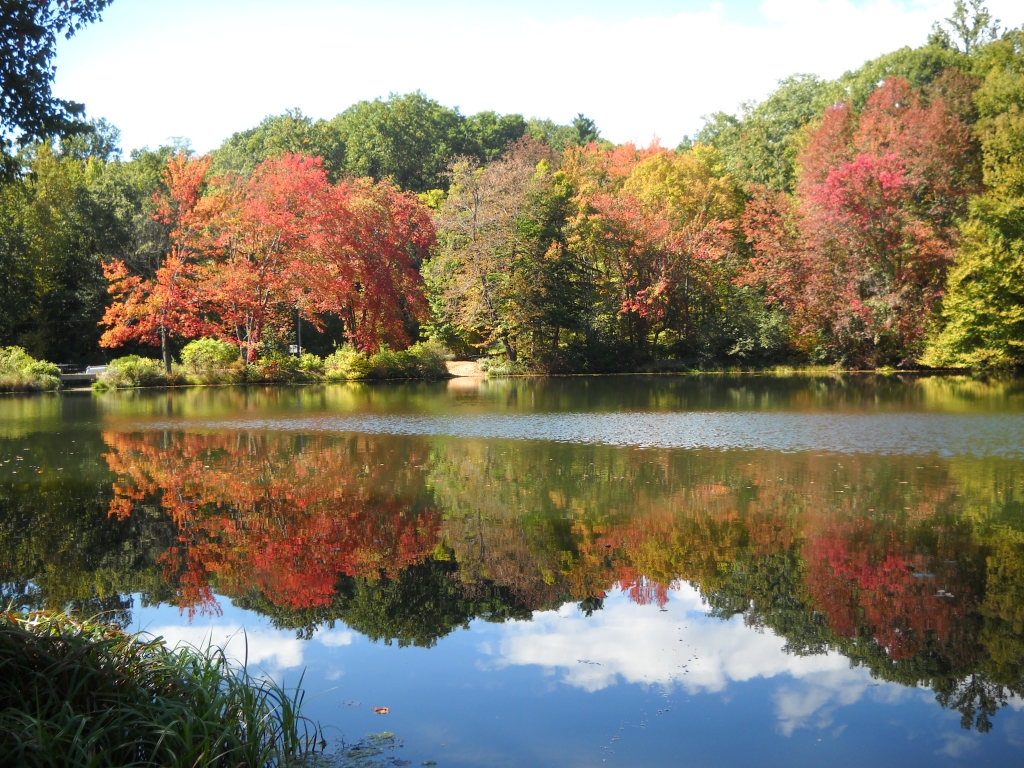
x: 83, y: 694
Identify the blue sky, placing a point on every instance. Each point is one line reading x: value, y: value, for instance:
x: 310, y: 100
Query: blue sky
x: 159, y: 69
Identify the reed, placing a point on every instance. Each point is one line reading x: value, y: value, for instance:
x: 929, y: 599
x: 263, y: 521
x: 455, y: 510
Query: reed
x: 82, y: 693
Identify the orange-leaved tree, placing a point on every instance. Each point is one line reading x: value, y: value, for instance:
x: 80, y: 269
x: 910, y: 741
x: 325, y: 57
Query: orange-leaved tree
x: 152, y: 309
x: 248, y: 252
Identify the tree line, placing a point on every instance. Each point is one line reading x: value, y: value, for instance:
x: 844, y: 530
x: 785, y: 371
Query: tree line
x: 869, y: 221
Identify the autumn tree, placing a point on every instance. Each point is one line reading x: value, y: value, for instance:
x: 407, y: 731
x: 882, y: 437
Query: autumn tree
x: 483, y: 240
x: 248, y: 252
x: 372, y: 241
x: 658, y: 227
x: 153, y: 310
x: 872, y: 228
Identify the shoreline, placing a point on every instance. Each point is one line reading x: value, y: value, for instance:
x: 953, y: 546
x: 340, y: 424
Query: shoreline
x: 462, y: 372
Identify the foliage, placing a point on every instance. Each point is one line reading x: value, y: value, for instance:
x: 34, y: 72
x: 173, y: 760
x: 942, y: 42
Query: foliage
x: 872, y: 223
x: 346, y: 364
x: 248, y: 253
x: 983, y: 310
x: 484, y: 234
x: 424, y: 360
x: 277, y: 368
x: 74, y: 691
x: 55, y: 284
x: 865, y: 221
x: 210, y: 361
x: 133, y: 371
x: 411, y: 139
x: 495, y: 367
x: 28, y: 44
x: 19, y: 371
x: 761, y: 146
x: 289, y: 134
x: 969, y: 27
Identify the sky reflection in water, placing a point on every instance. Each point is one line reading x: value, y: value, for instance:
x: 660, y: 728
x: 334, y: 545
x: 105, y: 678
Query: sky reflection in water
x: 845, y: 582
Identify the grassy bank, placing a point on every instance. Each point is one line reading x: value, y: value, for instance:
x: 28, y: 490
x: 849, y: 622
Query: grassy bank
x: 83, y: 693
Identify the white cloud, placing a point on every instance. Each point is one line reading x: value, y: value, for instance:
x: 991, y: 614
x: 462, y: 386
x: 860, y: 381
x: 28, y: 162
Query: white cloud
x: 334, y: 638
x: 684, y: 648
x: 958, y: 743
x: 204, y: 70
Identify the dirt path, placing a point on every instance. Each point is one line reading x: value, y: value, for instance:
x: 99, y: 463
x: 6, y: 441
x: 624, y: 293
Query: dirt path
x: 464, y: 368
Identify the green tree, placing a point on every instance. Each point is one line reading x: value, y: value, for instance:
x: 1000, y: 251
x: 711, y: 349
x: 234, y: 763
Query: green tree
x: 969, y: 28
x: 291, y: 132
x: 490, y: 134
x: 123, y: 195
x: 918, y: 66
x: 556, y: 136
x: 983, y: 309
x: 28, y: 42
x: 58, y: 226
x: 761, y: 148
x: 487, y: 232
x: 409, y: 139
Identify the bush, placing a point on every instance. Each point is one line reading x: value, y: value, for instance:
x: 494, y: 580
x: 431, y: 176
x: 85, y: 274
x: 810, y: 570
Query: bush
x: 431, y: 357
x: 84, y: 693
x: 346, y: 364
x: 311, y: 363
x: 277, y: 368
x: 133, y: 371
x: 425, y: 360
x: 211, y: 361
x: 19, y: 371
x: 500, y: 366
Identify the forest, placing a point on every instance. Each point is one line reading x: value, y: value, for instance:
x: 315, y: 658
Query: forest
x: 871, y: 221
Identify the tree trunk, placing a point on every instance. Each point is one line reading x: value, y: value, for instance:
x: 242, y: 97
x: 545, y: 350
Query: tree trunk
x: 165, y: 350
x: 509, y: 349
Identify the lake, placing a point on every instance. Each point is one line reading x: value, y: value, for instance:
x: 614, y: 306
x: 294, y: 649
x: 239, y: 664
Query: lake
x: 622, y: 571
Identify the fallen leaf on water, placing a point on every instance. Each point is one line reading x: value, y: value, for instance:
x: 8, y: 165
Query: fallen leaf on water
x: 381, y: 710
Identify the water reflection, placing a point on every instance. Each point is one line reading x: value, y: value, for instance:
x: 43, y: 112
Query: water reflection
x: 687, y: 650
x: 850, y: 576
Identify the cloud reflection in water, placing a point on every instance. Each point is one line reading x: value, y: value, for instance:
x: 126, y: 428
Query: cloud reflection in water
x: 683, y: 648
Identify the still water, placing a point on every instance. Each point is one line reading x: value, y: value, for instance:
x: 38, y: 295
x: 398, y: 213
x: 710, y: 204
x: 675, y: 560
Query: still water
x: 630, y: 571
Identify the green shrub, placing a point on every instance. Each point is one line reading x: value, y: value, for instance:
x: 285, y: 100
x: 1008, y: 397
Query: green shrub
x: 84, y: 693
x: 19, y: 371
x: 431, y: 358
x: 346, y: 364
x: 211, y: 361
x: 425, y: 360
x: 500, y: 366
x: 134, y: 371
x: 277, y: 368
x: 311, y: 363
x: 387, y: 364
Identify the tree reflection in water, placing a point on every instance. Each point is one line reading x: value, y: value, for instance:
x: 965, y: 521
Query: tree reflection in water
x: 912, y: 568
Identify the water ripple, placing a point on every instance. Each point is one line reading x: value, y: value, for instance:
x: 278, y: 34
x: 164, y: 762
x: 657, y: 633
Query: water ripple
x: 897, y: 434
